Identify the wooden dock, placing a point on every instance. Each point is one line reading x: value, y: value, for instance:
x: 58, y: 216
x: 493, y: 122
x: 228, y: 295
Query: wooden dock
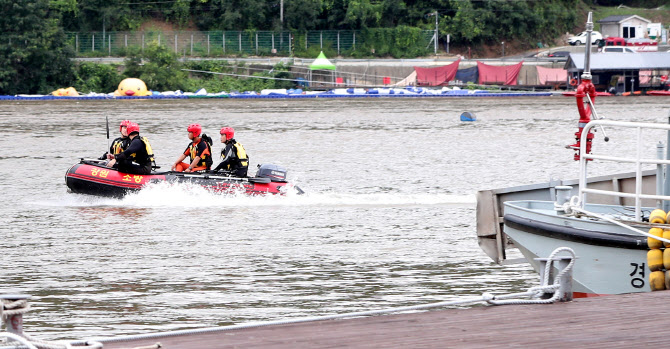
x: 621, y: 321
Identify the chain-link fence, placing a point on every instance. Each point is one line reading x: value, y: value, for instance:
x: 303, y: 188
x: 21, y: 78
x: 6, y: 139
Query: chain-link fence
x: 220, y: 43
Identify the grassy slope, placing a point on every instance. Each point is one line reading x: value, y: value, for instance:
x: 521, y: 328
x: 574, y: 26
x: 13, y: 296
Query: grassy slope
x: 661, y: 15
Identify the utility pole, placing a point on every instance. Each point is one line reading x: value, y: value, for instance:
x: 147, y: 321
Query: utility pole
x: 436, y: 26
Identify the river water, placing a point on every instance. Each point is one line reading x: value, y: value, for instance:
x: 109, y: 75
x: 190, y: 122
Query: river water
x: 388, y: 218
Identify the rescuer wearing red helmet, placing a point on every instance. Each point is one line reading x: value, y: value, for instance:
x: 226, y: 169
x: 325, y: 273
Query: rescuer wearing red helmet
x: 138, y: 158
x: 234, y: 158
x: 199, y: 152
x: 119, y: 144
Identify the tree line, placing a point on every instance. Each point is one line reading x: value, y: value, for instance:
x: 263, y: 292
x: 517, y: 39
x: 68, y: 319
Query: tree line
x: 35, y: 56
x: 466, y: 21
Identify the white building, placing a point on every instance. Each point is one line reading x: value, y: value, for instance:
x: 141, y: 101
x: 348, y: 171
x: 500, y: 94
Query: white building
x: 624, y: 26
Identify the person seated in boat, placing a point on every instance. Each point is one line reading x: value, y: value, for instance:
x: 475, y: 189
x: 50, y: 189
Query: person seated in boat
x: 234, y: 158
x: 138, y: 157
x: 120, y: 143
x: 199, y: 152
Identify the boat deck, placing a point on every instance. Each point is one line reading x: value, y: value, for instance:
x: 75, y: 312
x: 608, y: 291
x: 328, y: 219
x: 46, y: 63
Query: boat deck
x: 620, y: 321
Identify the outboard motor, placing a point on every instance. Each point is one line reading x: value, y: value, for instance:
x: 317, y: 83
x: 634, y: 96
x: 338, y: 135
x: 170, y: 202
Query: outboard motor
x: 276, y: 173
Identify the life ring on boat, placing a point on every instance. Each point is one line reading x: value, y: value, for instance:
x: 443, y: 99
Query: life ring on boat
x: 573, y: 82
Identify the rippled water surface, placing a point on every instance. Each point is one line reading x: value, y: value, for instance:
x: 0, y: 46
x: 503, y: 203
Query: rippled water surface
x: 388, y: 218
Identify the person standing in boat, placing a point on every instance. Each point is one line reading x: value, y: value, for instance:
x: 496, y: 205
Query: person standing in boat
x: 120, y: 143
x: 199, y: 151
x: 234, y: 157
x: 138, y: 157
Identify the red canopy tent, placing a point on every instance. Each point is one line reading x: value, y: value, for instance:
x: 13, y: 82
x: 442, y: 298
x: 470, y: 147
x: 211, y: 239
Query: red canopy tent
x: 505, y: 75
x: 436, y: 76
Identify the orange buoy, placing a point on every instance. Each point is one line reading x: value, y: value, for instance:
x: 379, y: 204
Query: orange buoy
x: 626, y: 94
x: 655, y: 243
x: 657, y: 281
x: 573, y: 82
x: 655, y: 260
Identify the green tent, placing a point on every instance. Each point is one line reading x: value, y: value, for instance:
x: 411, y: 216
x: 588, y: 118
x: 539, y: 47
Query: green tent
x: 321, y: 62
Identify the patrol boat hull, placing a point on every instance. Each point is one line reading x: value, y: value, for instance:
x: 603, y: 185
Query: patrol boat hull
x: 610, y: 259
x: 93, y: 178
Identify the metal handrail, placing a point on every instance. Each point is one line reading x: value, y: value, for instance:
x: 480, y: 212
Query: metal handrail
x: 637, y: 160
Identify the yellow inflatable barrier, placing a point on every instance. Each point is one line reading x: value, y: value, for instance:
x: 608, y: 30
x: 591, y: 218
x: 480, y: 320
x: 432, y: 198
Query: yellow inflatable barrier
x: 65, y: 92
x: 132, y: 87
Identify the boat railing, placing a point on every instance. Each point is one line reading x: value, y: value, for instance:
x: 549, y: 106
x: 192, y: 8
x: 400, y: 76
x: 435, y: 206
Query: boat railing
x: 638, y: 160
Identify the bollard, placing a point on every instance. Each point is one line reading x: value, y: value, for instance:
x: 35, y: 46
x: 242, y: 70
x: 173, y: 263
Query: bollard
x: 14, y: 322
x: 563, y: 193
x: 565, y: 281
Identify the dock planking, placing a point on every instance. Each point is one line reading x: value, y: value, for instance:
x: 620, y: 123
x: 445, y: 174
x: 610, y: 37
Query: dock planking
x: 618, y: 321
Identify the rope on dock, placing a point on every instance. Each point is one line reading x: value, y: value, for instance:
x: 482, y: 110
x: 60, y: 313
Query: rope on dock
x: 555, y: 287
x: 18, y: 338
x: 22, y: 306
x: 489, y: 298
x: 9, y: 308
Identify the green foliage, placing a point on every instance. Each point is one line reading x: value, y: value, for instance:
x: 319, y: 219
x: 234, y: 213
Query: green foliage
x: 94, y: 77
x: 213, y: 82
x: 302, y: 14
x: 158, y: 67
x: 362, y: 14
x: 34, y: 56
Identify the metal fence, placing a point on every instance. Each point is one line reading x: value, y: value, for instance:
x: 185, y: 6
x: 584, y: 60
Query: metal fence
x: 218, y: 43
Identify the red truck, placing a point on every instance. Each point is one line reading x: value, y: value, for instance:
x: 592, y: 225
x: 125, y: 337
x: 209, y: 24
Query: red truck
x: 636, y: 44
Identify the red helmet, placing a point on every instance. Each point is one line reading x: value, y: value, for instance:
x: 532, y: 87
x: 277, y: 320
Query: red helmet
x: 124, y: 123
x: 195, y: 128
x: 229, y: 132
x: 133, y: 127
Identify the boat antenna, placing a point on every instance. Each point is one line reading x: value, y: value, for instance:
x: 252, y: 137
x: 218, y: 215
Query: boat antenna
x: 107, y: 124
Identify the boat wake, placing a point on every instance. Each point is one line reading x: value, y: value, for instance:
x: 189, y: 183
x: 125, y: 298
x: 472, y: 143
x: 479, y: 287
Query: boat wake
x: 186, y: 195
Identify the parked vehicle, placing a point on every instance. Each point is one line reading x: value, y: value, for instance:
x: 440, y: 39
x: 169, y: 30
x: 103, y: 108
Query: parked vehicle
x: 559, y: 54
x: 635, y: 44
x: 617, y: 49
x: 580, y: 38
x: 641, y: 41
x: 615, y: 41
